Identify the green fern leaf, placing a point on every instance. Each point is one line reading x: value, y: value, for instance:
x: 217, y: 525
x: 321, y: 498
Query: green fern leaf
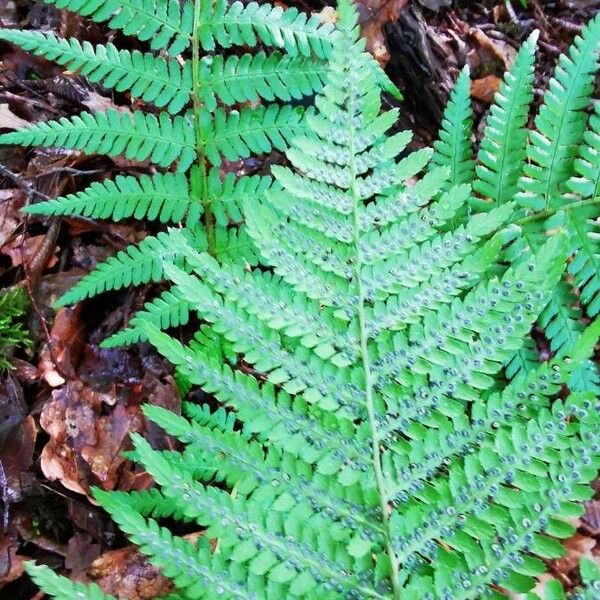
x: 369, y: 444
x: 135, y: 265
x: 138, y: 136
x: 162, y: 197
x: 163, y: 23
x: 204, y: 134
x: 560, y: 123
x: 503, y: 148
x: 252, y: 77
x: 453, y: 149
x: 585, y: 266
x: 251, y: 130
x: 163, y: 82
x: 63, y: 588
x: 167, y: 311
x: 239, y: 24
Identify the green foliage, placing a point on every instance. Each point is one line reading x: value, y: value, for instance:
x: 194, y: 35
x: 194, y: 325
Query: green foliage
x: 208, y: 113
x: 553, y: 178
x: 61, y: 587
x: 13, y: 306
x: 370, y: 445
x: 454, y: 149
x: 138, y: 136
x: 502, y: 151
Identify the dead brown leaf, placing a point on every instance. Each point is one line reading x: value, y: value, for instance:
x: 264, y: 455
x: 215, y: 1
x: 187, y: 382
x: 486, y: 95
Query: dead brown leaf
x: 126, y: 574
x: 85, y: 446
x: 24, y: 250
x: 9, y: 217
x: 81, y: 551
x: 8, y: 119
x: 493, y: 50
x: 373, y: 15
x: 576, y: 546
x: 60, y: 356
x: 484, y: 89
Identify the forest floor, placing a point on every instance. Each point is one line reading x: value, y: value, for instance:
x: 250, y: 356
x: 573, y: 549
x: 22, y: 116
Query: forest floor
x: 67, y: 406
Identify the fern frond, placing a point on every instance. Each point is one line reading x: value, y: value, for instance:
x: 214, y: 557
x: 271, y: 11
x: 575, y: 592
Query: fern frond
x: 560, y: 123
x: 236, y: 134
x: 133, y: 266
x: 169, y: 310
x: 163, y: 82
x: 244, y: 24
x: 251, y: 77
x: 585, y: 266
x: 453, y: 149
x: 63, y: 588
x: 138, y: 136
x: 502, y: 151
x: 416, y: 382
x: 370, y: 445
x: 163, y: 23
x: 164, y: 197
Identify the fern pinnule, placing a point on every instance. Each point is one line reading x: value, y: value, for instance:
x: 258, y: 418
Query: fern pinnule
x: 61, y: 587
x: 138, y: 136
x: 164, y: 197
x: 580, y: 217
x: 252, y: 77
x: 560, y: 123
x: 503, y: 147
x: 454, y: 149
x: 162, y: 82
x: 163, y: 23
x: 135, y: 265
x: 166, y: 311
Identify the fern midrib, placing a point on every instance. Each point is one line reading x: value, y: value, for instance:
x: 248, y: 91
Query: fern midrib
x: 364, y: 354
x: 197, y: 106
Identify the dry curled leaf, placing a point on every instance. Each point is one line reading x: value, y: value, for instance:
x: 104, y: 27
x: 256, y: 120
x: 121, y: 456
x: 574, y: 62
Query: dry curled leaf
x: 484, y: 89
x: 576, y: 546
x: 8, y: 119
x: 126, y: 574
x: 85, y: 446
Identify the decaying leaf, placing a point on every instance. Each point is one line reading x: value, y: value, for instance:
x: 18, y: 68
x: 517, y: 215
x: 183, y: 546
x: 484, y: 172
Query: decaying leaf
x: 126, y: 574
x: 8, y: 119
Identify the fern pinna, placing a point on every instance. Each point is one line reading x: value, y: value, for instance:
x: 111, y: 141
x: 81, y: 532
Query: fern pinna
x: 552, y: 171
x: 370, y: 445
x: 209, y: 110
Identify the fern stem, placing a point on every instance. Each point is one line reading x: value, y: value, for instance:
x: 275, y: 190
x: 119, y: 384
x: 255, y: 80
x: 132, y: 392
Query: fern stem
x: 209, y: 218
x: 366, y: 364
x: 551, y: 211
